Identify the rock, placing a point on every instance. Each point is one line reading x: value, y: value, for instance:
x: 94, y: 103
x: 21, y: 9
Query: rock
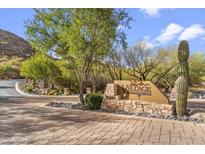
x: 199, y: 116
x: 196, y: 118
x: 172, y: 117
x: 185, y: 118
x: 65, y: 105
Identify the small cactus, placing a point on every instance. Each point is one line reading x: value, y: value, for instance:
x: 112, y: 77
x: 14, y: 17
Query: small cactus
x: 181, y: 97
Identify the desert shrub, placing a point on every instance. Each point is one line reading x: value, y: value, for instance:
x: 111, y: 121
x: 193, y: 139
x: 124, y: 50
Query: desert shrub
x: 51, y: 92
x: 9, y: 67
x: 55, y: 92
x: 86, y: 97
x: 8, y: 72
x: 93, y: 101
x: 28, y: 88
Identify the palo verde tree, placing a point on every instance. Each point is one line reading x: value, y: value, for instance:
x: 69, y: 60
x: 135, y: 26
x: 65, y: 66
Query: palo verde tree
x: 36, y: 68
x: 41, y: 67
x: 80, y: 36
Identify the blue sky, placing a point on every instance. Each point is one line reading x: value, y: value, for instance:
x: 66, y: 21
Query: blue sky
x: 159, y: 27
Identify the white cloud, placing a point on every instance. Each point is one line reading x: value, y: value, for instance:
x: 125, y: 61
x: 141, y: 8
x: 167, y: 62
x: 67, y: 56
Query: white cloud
x: 152, y: 12
x: 149, y: 45
x: 168, y: 34
x: 192, y: 32
x: 147, y: 42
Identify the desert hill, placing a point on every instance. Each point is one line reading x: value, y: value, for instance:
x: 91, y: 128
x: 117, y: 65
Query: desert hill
x: 13, y: 45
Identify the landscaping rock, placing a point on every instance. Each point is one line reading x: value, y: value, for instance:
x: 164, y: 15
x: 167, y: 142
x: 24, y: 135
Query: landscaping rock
x: 65, y: 105
x: 195, y: 118
x: 199, y: 117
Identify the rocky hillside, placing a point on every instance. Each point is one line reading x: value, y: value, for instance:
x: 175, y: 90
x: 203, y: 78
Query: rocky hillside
x: 13, y: 50
x: 13, y: 45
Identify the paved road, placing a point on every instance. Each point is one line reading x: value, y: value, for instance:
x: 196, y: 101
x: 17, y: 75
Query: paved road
x: 7, y: 88
x: 28, y: 121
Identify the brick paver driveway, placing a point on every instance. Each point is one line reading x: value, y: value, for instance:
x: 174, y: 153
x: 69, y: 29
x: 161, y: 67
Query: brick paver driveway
x: 27, y: 121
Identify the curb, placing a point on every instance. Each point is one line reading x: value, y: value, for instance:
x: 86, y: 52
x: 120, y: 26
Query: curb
x: 21, y: 92
x: 30, y: 95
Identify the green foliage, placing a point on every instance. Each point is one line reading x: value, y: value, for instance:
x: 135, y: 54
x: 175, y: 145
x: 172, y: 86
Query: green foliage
x: 35, y: 67
x: 181, y: 98
x: 80, y: 36
x: 197, y: 68
x: 8, y: 72
x: 28, y: 88
x: 67, y: 78
x: 165, y: 73
x: 9, y: 67
x: 169, y: 59
x: 41, y: 67
x: 93, y: 101
x: 86, y: 97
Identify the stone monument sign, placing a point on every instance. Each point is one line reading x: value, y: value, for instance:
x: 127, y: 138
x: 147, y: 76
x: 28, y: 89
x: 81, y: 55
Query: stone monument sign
x: 144, y: 91
x: 136, y: 96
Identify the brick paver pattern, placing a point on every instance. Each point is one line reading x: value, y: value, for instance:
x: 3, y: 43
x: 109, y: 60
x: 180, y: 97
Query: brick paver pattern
x: 28, y: 121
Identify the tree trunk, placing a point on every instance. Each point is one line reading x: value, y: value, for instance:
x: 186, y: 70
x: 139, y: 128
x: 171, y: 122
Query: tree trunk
x: 26, y: 80
x: 69, y: 85
x: 142, y: 77
x: 45, y: 84
x: 82, y: 101
x: 94, y: 87
x: 93, y: 83
x: 52, y: 86
x: 34, y: 83
x: 120, y: 72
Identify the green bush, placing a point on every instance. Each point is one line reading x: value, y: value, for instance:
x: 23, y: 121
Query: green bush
x: 93, y: 101
x: 86, y: 97
x: 29, y: 88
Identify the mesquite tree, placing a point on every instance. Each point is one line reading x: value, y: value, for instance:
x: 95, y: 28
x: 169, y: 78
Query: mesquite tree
x: 114, y: 64
x: 80, y: 36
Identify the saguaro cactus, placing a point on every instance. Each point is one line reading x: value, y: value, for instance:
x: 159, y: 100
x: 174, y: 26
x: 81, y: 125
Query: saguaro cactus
x: 183, y: 55
x: 182, y: 82
x: 181, y: 97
